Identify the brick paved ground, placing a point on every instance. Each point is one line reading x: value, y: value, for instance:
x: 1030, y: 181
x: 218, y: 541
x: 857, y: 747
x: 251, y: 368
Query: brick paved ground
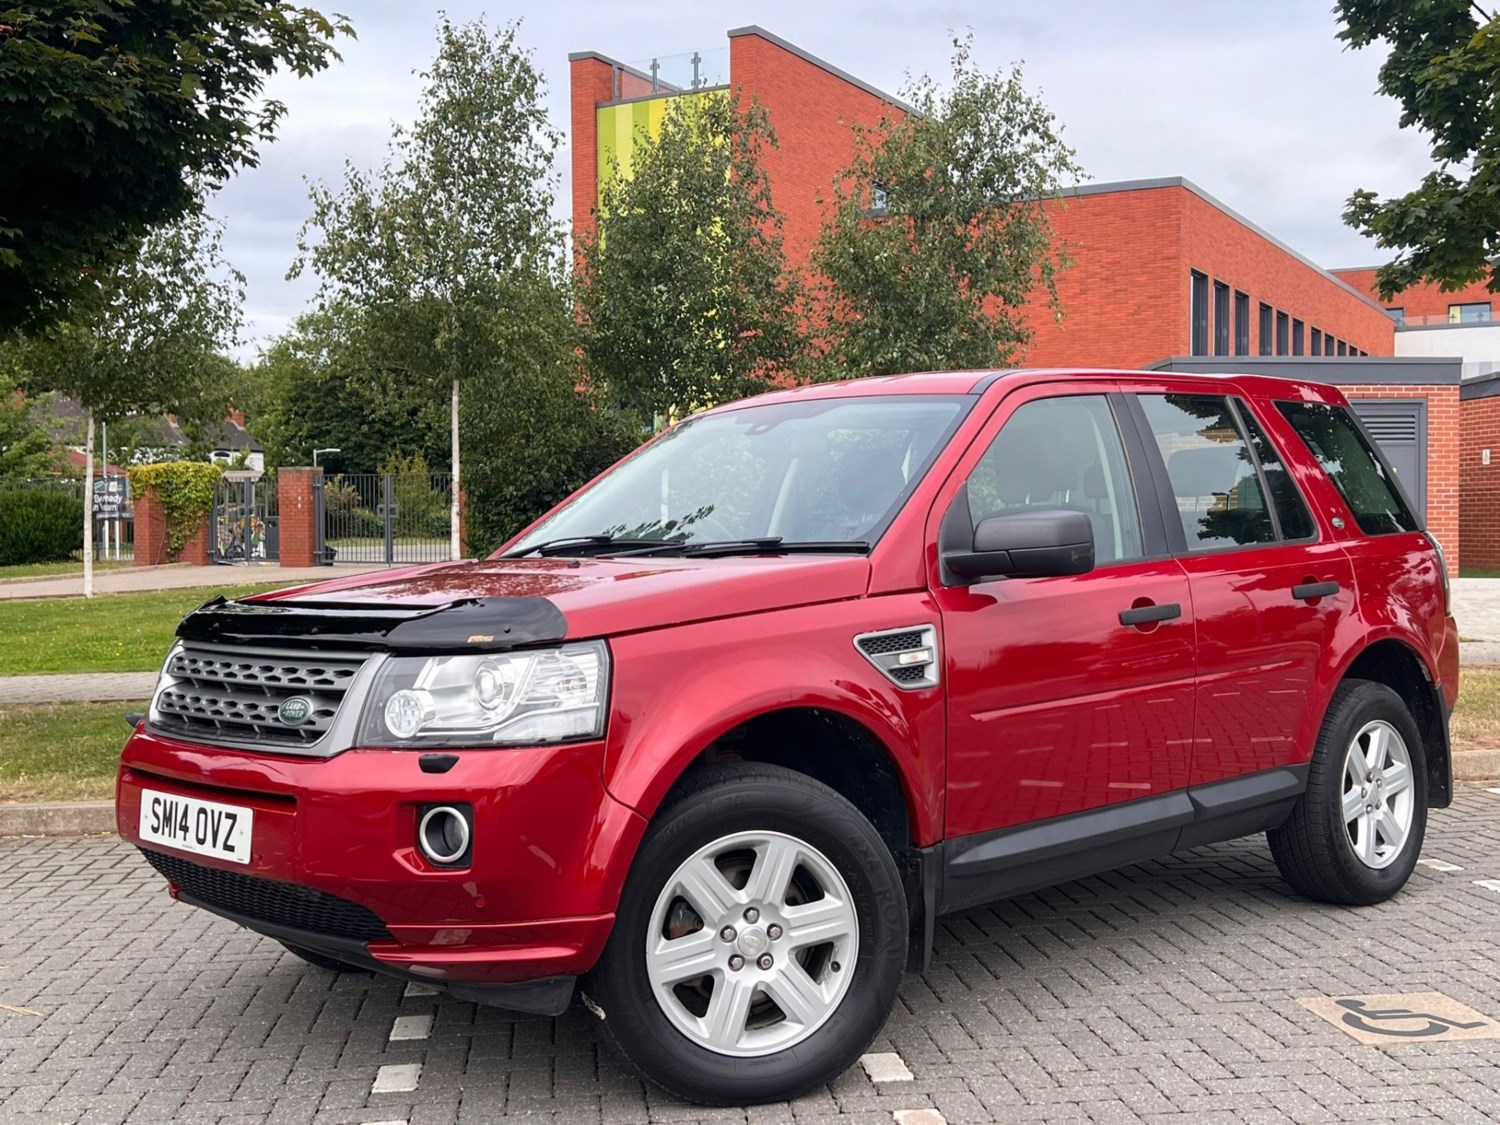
x: 1167, y: 992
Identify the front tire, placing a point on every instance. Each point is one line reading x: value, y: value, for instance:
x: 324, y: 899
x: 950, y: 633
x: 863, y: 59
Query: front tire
x: 1356, y: 833
x: 759, y: 943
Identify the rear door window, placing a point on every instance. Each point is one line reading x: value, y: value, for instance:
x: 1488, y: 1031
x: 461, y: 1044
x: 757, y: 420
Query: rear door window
x: 1218, y: 492
x: 1359, y: 472
x: 1291, y: 511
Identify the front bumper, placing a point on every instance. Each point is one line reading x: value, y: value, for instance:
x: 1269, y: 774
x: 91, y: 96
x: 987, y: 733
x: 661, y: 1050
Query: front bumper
x: 335, y: 839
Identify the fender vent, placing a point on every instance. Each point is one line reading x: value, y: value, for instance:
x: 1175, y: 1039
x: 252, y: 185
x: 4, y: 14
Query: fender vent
x: 908, y: 657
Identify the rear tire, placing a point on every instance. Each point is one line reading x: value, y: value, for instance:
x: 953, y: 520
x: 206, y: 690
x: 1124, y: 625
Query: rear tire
x: 759, y: 942
x: 1356, y: 833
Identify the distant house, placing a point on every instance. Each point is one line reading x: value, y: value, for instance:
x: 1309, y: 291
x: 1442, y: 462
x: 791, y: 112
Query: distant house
x: 152, y: 439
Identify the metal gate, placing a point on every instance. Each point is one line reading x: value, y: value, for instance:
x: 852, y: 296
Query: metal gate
x: 244, y: 519
x: 390, y: 518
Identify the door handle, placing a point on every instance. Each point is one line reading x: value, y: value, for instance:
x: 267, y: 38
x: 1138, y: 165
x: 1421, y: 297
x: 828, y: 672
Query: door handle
x: 1147, y: 614
x: 1307, y: 591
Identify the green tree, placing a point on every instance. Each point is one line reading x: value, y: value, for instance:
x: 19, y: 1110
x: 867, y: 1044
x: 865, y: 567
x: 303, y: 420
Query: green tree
x: 116, y: 113
x: 454, y: 234
x: 1444, y: 69
x: 144, y: 340
x: 322, y: 385
x: 939, y: 232
x: 683, y: 291
x: 27, y: 450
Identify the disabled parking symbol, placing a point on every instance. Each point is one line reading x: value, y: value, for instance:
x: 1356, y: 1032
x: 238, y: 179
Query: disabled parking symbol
x: 1428, y: 1017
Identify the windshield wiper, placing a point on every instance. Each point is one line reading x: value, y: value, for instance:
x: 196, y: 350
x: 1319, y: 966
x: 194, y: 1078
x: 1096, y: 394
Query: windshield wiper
x: 585, y: 545
x: 763, y: 545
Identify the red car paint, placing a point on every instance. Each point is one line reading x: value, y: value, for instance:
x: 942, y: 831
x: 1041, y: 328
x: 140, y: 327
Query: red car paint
x: 1047, y: 705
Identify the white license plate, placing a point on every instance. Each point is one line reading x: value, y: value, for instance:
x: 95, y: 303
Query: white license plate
x: 191, y: 825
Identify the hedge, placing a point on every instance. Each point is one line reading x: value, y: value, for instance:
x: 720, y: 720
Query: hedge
x: 39, y: 525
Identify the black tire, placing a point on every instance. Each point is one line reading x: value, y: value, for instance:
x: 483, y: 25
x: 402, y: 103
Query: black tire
x: 1314, y: 849
x: 709, y: 807
x: 320, y: 960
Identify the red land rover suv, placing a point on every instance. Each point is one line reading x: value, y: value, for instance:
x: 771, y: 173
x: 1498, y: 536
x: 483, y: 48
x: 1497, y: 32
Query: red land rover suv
x: 724, y: 733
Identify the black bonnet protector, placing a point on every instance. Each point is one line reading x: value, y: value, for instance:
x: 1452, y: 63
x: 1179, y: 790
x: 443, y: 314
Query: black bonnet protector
x: 467, y: 625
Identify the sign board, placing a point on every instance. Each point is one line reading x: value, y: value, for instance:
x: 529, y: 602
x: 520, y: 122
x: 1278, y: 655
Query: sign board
x: 110, y: 496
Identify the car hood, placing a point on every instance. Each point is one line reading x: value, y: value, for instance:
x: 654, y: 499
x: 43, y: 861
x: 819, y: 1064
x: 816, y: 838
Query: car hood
x: 595, y: 597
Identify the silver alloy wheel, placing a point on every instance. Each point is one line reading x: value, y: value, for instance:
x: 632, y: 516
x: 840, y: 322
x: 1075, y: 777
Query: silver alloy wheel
x: 752, y: 943
x: 1379, y: 796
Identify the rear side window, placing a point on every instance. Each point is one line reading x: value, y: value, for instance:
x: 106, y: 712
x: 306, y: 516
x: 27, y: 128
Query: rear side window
x: 1357, y: 471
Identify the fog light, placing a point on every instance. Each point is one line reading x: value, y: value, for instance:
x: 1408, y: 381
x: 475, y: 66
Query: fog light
x: 444, y: 835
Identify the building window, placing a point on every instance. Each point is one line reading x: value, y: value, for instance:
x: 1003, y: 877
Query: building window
x: 1343, y: 348
x: 1297, y: 339
x: 1221, y: 318
x: 1317, y: 341
x: 1477, y: 313
x: 1265, y: 329
x: 1199, y: 314
x: 1283, y: 322
x: 1241, y: 323
x: 1398, y: 315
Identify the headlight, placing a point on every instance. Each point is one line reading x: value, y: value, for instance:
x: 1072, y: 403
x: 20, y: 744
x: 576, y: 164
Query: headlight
x: 509, y: 698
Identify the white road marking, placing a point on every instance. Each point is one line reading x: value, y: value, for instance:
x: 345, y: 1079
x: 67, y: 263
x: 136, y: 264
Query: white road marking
x: 919, y: 1117
x: 415, y: 989
x: 392, y: 1122
x: 1440, y: 865
x: 1495, y: 791
x: 411, y: 1027
x: 885, y: 1067
x: 1488, y: 884
x: 401, y: 1078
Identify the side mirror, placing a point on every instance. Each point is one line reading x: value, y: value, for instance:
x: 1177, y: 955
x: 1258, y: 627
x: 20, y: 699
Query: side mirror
x: 1029, y: 543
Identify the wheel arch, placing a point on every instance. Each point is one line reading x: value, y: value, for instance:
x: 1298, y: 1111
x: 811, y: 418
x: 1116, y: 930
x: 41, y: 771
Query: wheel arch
x: 1396, y: 663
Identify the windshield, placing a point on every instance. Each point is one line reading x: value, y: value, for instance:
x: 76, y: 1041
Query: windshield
x: 820, y: 470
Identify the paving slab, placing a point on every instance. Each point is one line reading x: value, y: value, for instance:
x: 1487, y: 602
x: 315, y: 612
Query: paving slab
x: 1168, y: 992
x: 70, y: 688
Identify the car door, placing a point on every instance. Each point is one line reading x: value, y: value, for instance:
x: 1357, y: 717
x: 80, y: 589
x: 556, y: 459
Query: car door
x: 1268, y: 590
x: 1064, y: 693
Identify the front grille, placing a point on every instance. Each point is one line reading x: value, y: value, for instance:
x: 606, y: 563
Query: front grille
x: 282, y: 904
x: 878, y: 643
x: 213, y: 694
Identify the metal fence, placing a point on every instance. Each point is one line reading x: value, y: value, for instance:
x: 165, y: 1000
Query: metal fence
x: 391, y: 518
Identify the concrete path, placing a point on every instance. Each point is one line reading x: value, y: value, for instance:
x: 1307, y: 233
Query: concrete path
x: 128, y: 580
x: 1476, y: 607
x: 100, y: 686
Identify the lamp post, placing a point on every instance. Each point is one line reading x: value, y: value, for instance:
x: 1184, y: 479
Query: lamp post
x: 330, y: 449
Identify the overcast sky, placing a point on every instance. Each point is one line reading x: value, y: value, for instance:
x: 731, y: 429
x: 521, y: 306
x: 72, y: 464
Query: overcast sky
x: 1258, y: 104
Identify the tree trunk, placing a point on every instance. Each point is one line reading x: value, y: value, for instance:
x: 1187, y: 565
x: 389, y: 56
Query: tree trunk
x: 88, y: 506
x: 455, y: 546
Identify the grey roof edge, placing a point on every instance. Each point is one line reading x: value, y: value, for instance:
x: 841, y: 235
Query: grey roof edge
x: 1481, y: 386
x: 580, y: 56
x: 822, y: 64
x: 1369, y: 370
x: 1184, y: 182
x: 1447, y: 327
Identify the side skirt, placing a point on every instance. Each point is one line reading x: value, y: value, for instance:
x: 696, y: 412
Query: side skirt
x: 1012, y: 861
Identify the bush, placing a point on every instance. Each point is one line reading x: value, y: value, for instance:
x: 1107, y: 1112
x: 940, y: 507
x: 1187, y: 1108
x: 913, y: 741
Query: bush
x: 186, y: 491
x: 39, y: 525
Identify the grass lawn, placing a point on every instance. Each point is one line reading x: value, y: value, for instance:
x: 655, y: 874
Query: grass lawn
x: 61, y: 751
x: 1476, y: 719
x: 56, y: 569
x: 113, y: 633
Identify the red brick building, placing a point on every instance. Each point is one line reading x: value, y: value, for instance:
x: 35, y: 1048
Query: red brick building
x: 1161, y: 268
